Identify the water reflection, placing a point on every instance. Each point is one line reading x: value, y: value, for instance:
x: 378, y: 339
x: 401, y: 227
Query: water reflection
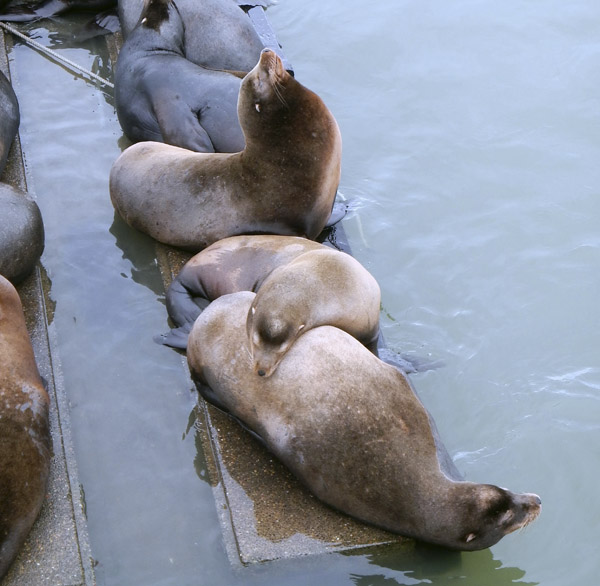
x: 140, y: 251
x: 425, y: 564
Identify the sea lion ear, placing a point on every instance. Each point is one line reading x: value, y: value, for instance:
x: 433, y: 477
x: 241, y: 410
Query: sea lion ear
x: 253, y: 310
x: 470, y: 537
x: 257, y: 106
x: 301, y: 327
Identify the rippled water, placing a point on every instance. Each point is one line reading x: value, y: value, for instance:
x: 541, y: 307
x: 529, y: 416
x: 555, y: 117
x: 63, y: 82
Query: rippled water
x: 471, y: 145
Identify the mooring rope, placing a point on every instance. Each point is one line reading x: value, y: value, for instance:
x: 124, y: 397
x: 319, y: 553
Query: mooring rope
x: 54, y: 54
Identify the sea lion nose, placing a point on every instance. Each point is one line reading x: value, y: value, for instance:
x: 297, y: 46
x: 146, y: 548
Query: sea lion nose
x: 538, y: 500
x: 261, y: 372
x: 266, y: 50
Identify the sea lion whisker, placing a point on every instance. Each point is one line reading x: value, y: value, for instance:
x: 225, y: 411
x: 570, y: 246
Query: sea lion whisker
x: 278, y: 89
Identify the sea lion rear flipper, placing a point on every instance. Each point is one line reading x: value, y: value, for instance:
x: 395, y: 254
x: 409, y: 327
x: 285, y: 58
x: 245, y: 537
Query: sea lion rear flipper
x: 181, y: 127
x: 175, y: 338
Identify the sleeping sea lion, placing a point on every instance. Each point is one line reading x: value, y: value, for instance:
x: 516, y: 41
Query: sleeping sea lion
x: 25, y: 443
x: 319, y: 287
x: 163, y: 97
x: 351, y: 428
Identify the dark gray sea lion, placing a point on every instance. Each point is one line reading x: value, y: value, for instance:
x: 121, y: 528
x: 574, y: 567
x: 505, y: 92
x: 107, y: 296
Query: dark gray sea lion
x: 163, y: 97
x: 319, y: 287
x: 239, y: 263
x: 21, y: 234
x: 25, y: 446
x: 351, y: 428
x: 218, y: 34
x: 283, y: 182
x: 9, y: 118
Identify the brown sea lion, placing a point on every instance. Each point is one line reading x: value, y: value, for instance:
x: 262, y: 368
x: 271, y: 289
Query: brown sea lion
x: 238, y: 263
x: 283, y: 182
x: 351, y: 428
x: 319, y: 287
x: 24, y: 430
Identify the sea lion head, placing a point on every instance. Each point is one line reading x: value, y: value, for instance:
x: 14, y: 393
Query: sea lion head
x: 483, y: 514
x: 270, y: 336
x: 264, y: 94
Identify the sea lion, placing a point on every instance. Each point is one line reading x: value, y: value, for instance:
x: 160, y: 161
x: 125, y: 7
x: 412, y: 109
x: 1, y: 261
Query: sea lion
x: 319, y: 287
x: 21, y: 234
x: 239, y: 263
x: 351, y: 428
x: 24, y: 429
x: 283, y: 182
x: 218, y: 34
x: 163, y: 97
x: 9, y: 118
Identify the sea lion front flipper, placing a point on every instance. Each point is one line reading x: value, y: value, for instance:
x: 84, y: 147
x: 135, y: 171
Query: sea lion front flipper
x: 181, y: 127
x: 407, y: 365
x: 338, y: 213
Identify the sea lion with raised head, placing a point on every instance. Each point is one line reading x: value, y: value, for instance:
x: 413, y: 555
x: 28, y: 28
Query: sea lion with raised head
x: 283, y: 182
x: 319, y: 287
x: 25, y: 443
x: 163, y: 97
x: 351, y: 428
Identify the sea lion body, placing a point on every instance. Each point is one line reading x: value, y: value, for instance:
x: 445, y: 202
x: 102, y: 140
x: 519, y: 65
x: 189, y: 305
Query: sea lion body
x: 283, y: 182
x: 351, y: 428
x: 319, y: 287
x: 21, y: 234
x: 25, y: 443
x: 239, y: 263
x: 9, y: 118
x: 161, y: 96
x: 218, y: 34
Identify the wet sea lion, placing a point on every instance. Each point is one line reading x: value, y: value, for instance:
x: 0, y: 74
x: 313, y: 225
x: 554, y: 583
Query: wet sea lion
x: 351, y: 428
x: 218, y: 34
x: 9, y: 118
x: 163, y: 97
x: 319, y: 287
x: 239, y: 263
x: 283, y: 182
x: 24, y: 430
x: 21, y: 234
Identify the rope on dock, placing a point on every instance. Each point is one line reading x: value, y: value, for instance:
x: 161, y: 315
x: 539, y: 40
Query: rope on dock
x: 54, y: 54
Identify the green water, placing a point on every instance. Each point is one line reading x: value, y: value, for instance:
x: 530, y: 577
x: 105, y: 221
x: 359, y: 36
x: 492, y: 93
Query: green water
x: 471, y: 145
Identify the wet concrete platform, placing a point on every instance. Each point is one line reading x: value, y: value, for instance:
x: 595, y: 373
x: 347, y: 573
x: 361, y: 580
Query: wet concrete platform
x: 265, y: 513
x: 57, y: 551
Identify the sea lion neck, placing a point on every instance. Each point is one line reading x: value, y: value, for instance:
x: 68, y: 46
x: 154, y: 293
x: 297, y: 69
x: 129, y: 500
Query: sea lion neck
x: 162, y: 18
